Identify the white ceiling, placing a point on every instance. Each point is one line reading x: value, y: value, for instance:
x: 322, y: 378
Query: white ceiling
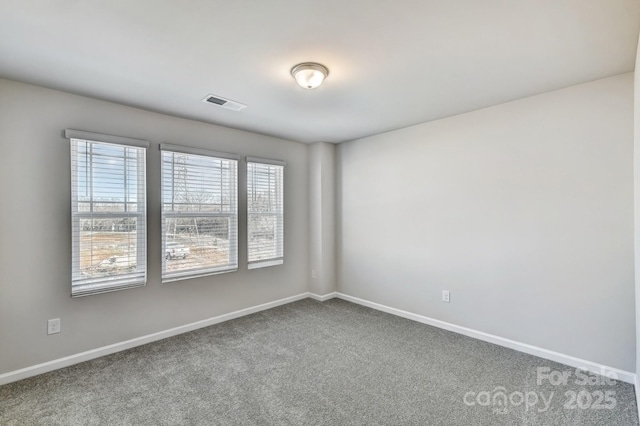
x: 392, y: 63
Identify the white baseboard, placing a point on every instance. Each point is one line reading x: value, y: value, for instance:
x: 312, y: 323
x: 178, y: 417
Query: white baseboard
x: 323, y: 297
x: 625, y: 376
x: 24, y: 373
x: 45, y: 367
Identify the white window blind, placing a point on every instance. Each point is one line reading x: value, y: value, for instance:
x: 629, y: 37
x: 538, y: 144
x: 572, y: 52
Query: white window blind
x: 265, y: 213
x: 199, y: 213
x: 108, y: 211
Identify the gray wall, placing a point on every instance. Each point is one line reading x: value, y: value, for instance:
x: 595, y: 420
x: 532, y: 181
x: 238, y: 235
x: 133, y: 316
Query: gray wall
x: 35, y: 229
x: 636, y: 178
x: 322, y: 218
x: 524, y: 211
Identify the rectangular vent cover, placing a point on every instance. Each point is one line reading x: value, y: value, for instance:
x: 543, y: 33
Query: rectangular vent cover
x: 224, y: 103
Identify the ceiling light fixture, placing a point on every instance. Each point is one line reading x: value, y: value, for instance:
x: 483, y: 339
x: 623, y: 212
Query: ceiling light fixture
x: 309, y: 75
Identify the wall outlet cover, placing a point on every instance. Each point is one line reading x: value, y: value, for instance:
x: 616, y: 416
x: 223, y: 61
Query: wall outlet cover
x: 53, y: 326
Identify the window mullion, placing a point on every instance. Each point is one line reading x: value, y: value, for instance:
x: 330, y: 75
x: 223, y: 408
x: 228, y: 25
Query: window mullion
x: 104, y: 257
x: 265, y: 213
x: 199, y: 229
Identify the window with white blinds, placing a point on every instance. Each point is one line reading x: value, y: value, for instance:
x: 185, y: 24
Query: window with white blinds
x: 265, y: 212
x: 199, y: 213
x: 108, y: 211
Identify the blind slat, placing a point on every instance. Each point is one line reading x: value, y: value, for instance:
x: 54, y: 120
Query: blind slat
x: 265, y: 214
x: 199, y: 214
x: 108, y: 210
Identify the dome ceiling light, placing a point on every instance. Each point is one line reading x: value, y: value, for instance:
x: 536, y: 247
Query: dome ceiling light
x: 309, y: 75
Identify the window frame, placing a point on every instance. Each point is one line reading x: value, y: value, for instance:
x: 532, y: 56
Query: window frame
x: 233, y: 243
x: 89, y: 286
x: 276, y: 260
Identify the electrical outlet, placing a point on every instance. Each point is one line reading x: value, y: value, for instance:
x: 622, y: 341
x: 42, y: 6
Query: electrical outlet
x: 445, y: 296
x: 314, y: 275
x: 53, y: 326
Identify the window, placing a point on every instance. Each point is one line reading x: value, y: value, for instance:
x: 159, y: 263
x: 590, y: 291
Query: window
x: 108, y: 213
x: 265, y: 212
x: 199, y: 213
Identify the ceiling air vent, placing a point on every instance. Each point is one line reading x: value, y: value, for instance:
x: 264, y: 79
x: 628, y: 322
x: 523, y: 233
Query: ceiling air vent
x: 224, y: 103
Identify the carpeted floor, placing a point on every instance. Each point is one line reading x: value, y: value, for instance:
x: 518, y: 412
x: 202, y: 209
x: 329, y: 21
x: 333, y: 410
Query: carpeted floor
x: 312, y: 363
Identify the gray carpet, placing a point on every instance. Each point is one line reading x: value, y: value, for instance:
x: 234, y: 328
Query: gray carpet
x: 312, y: 363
